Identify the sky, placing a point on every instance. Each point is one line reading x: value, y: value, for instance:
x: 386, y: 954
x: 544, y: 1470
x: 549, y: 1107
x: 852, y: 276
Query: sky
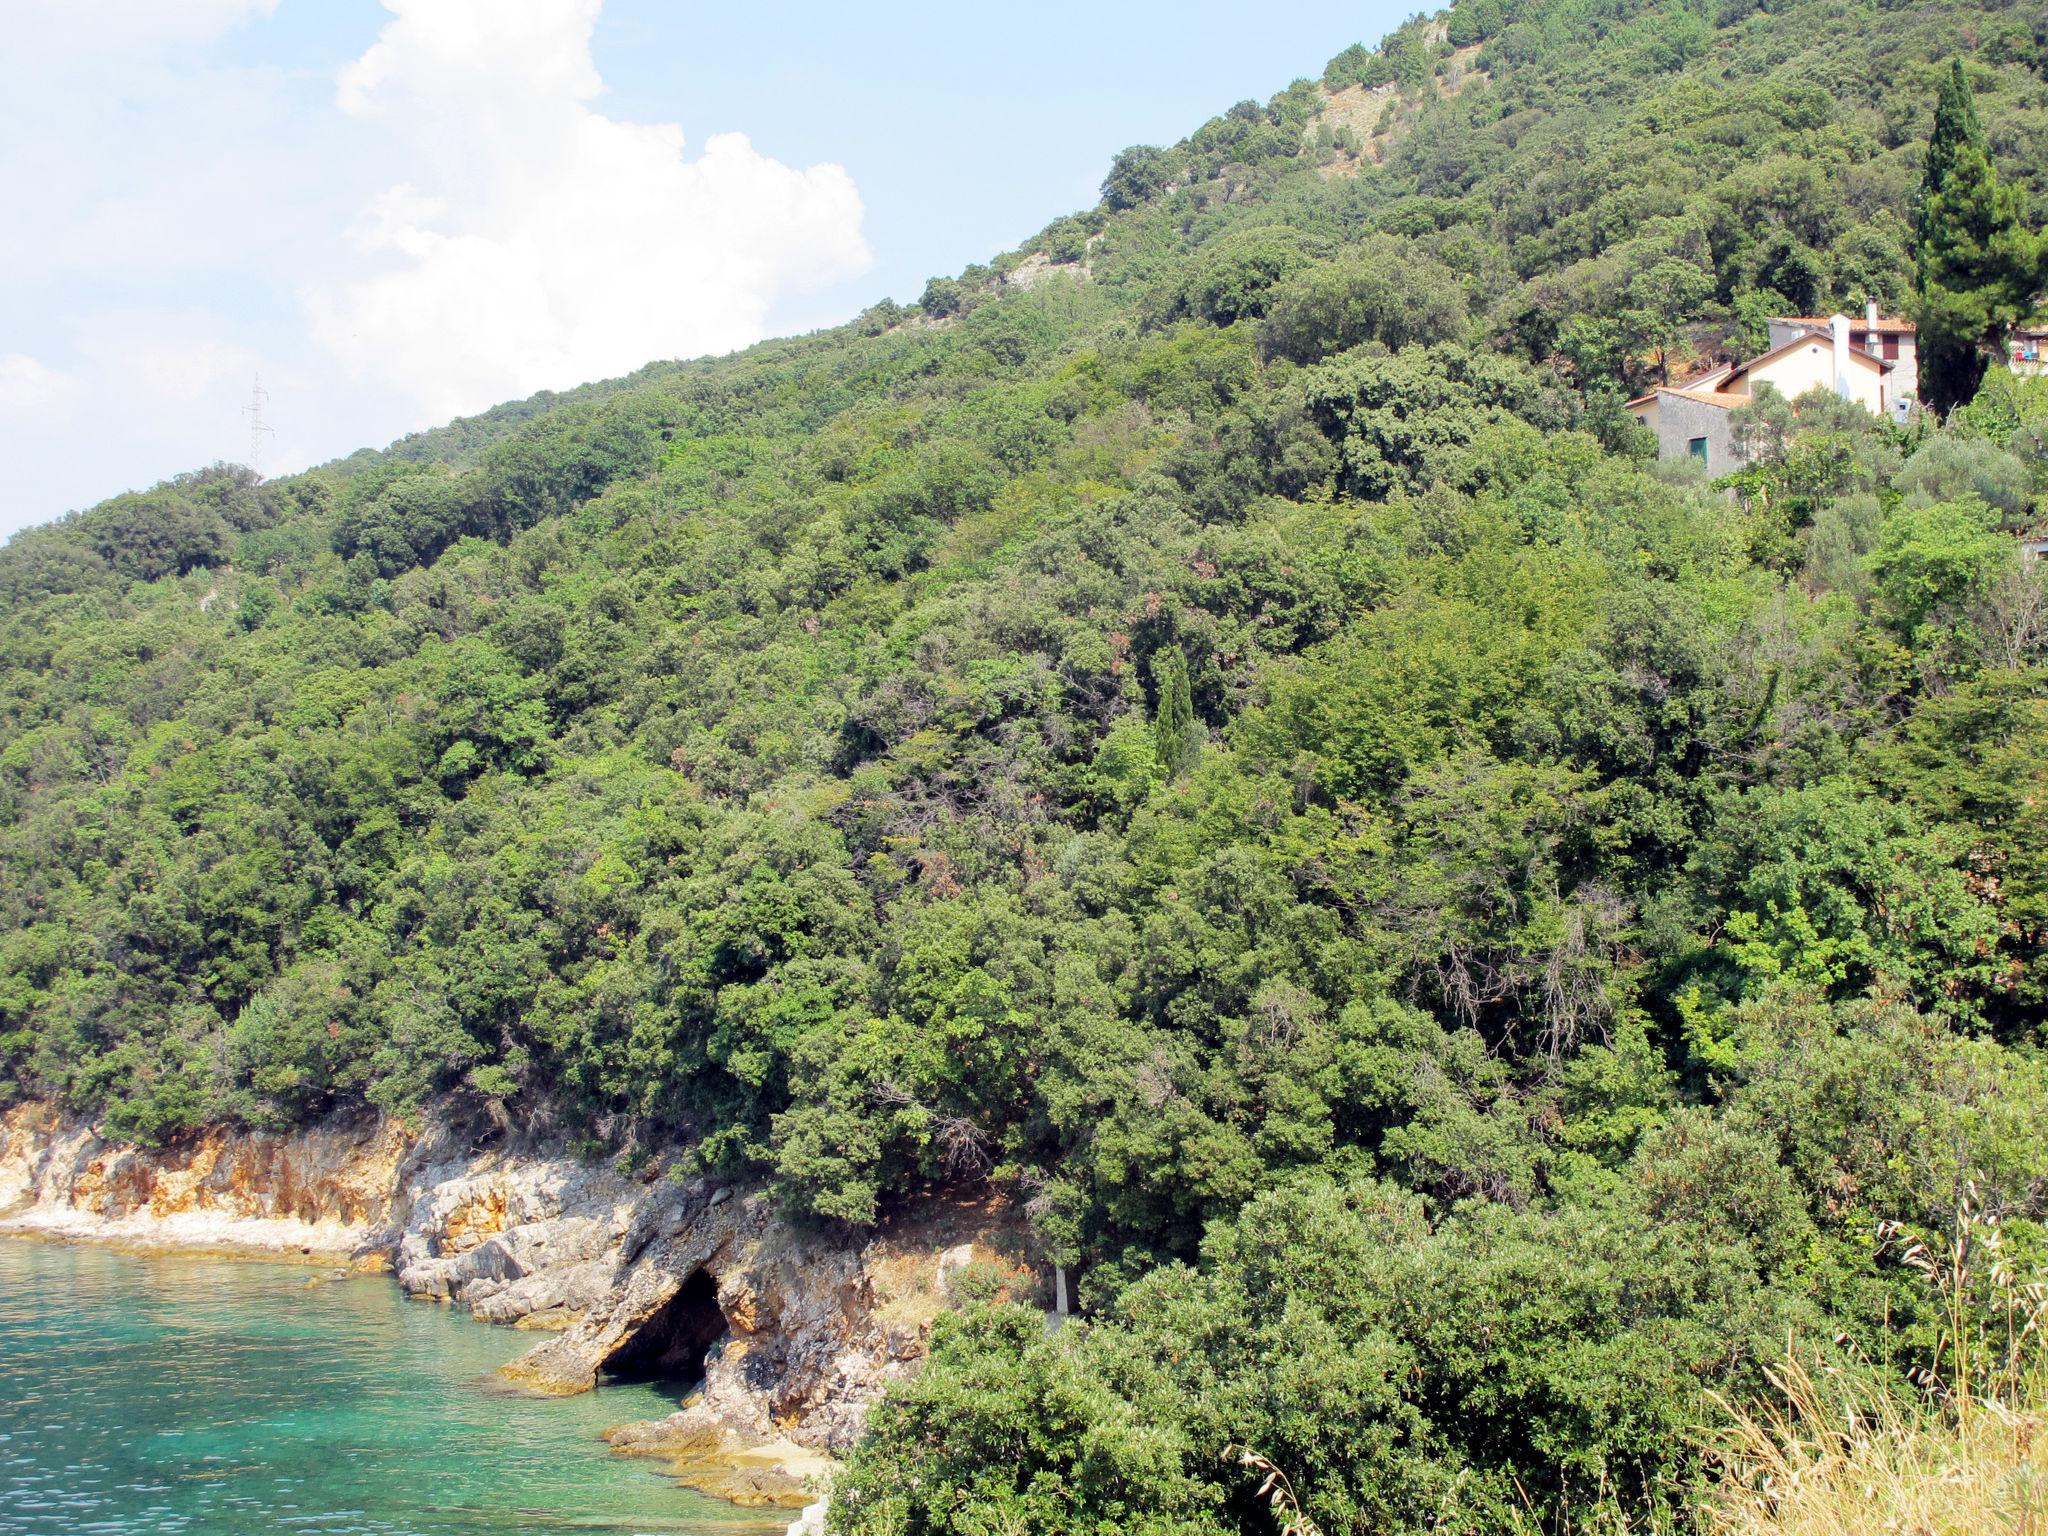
x: 400, y: 211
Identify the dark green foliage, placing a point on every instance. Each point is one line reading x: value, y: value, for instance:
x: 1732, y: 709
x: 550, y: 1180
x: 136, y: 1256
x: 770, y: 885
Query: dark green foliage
x: 1233, y: 278
x: 1979, y: 267
x: 1177, y: 738
x: 1385, y: 290
x: 1137, y: 176
x: 1420, y: 417
x: 157, y: 533
x: 1419, y: 1372
x: 942, y: 297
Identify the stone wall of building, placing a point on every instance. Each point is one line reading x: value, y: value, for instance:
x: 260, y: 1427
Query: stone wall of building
x: 1680, y: 421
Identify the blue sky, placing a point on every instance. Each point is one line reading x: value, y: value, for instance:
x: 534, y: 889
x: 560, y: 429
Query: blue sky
x: 400, y: 211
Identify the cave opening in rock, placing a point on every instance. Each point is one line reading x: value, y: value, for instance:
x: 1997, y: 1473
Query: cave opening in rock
x: 671, y: 1345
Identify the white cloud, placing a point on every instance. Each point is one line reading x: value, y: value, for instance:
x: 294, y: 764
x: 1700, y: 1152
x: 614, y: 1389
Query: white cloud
x: 536, y: 243
x: 447, y: 222
x: 29, y: 388
x: 463, y: 54
x: 114, y: 26
x: 142, y: 394
x: 166, y: 358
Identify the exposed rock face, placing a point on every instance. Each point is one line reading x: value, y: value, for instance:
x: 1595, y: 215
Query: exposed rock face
x: 1037, y: 266
x: 314, y: 1191
x: 794, y: 1334
x: 727, y: 1463
x: 525, y: 1240
x: 801, y: 1347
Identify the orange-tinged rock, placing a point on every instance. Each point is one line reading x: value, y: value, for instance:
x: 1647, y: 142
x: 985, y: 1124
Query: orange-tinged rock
x: 471, y: 1224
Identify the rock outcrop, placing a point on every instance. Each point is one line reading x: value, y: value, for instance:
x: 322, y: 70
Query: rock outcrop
x: 793, y: 1334
x: 531, y: 1241
x: 323, y: 1191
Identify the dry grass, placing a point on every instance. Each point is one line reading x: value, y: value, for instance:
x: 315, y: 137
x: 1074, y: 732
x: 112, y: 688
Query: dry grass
x: 1842, y: 1454
x: 1842, y: 1450
x: 1276, y: 1490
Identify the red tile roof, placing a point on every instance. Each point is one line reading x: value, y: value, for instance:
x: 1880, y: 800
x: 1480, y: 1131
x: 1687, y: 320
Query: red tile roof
x: 1887, y: 325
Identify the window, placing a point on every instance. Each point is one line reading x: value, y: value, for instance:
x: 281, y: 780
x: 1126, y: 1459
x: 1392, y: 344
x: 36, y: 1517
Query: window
x: 1891, y: 349
x: 1698, y: 449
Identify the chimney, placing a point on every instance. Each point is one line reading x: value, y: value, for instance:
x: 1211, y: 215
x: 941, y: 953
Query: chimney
x: 1870, y: 318
x: 1839, y: 324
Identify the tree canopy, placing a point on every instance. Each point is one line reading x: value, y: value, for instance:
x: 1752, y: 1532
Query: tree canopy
x: 1980, y: 268
x: 1211, y: 733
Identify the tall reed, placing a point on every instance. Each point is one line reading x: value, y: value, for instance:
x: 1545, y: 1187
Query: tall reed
x: 1846, y: 1452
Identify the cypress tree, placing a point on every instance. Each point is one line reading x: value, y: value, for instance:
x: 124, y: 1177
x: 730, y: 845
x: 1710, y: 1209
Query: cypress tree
x: 1955, y: 125
x: 1979, y: 266
x: 1179, y: 738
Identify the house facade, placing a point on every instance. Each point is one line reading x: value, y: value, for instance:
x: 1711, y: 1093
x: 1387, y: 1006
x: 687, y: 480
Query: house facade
x: 2026, y: 349
x: 1837, y: 353
x: 1884, y: 337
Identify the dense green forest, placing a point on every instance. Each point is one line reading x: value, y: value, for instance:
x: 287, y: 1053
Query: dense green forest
x: 1214, y: 729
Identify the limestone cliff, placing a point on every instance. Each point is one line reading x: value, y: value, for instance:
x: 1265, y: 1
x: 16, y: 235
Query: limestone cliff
x: 793, y: 1334
x: 327, y: 1190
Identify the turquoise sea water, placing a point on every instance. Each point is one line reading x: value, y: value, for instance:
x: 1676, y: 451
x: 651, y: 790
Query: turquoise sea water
x: 197, y: 1395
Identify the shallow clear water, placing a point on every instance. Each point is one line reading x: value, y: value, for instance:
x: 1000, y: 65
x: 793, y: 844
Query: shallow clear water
x: 143, y: 1394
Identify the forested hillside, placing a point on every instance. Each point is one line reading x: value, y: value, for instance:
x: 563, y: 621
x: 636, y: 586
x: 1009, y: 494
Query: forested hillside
x: 1213, y: 729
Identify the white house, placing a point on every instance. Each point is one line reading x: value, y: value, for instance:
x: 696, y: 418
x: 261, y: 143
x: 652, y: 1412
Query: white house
x: 1691, y: 419
x: 1884, y: 337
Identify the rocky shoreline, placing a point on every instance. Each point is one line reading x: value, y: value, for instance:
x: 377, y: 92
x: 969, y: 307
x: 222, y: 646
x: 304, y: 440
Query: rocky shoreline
x: 792, y: 1334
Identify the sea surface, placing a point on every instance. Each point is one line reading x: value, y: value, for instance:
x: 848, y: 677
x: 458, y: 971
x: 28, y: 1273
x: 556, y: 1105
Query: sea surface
x: 166, y: 1393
